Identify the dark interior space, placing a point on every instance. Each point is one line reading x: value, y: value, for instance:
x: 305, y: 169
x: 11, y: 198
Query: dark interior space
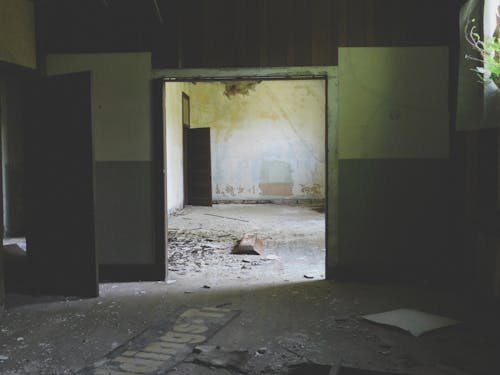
x: 411, y: 281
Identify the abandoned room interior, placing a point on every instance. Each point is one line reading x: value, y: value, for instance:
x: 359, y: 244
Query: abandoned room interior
x: 250, y: 187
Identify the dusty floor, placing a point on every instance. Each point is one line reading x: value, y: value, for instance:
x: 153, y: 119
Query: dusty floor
x: 281, y: 322
x: 201, y: 240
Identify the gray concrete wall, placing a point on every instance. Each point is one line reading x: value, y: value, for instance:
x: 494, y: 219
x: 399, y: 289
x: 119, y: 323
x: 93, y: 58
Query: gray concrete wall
x: 121, y: 110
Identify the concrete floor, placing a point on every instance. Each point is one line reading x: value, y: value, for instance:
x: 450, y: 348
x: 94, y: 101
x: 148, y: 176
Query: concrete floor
x: 281, y: 323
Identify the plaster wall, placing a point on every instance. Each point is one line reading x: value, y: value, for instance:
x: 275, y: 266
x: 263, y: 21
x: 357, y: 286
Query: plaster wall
x: 267, y: 137
x: 121, y: 120
x: 173, y: 144
x: 394, y: 197
x: 393, y: 103
x: 121, y: 103
x: 17, y: 32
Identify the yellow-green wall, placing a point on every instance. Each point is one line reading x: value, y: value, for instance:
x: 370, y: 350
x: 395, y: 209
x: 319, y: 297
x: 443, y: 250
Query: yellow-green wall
x: 121, y: 101
x: 393, y: 103
x: 17, y: 32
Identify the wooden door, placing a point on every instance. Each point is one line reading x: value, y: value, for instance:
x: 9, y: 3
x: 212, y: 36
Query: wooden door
x: 60, y: 186
x: 200, y: 167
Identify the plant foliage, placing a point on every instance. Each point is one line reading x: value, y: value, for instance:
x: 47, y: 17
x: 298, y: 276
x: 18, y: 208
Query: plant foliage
x: 489, y: 54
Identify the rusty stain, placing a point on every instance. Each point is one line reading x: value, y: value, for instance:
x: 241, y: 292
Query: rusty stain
x: 234, y: 88
x: 241, y: 189
x: 217, y: 189
x: 279, y: 189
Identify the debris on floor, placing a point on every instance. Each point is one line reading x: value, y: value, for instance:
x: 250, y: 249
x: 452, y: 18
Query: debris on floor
x: 413, y: 321
x: 190, y: 251
x: 220, y: 357
x: 164, y: 345
x: 249, y: 244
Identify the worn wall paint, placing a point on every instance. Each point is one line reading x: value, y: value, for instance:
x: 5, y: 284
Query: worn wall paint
x: 17, y: 32
x: 393, y: 103
x: 121, y: 106
x: 173, y: 145
x: 268, y: 137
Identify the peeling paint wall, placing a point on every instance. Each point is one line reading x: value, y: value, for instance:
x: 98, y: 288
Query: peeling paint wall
x: 268, y: 137
x: 17, y: 32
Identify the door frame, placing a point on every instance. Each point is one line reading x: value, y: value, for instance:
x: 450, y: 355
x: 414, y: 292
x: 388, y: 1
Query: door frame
x: 329, y: 74
x: 186, y: 125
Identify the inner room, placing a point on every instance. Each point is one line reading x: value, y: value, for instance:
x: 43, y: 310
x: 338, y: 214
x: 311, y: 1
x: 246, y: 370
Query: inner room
x: 246, y: 158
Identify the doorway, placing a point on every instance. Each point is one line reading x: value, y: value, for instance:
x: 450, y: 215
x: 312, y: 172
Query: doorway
x: 269, y: 164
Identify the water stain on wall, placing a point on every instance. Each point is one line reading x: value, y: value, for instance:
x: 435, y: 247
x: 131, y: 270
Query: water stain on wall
x: 234, y: 88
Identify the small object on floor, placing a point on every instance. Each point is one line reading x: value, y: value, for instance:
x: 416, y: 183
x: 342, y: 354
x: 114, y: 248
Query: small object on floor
x: 309, y: 276
x: 171, y: 281
x: 226, y: 217
x: 206, y: 287
x: 272, y: 257
x: 413, y: 321
x: 249, y: 244
x: 308, y: 368
x: 262, y: 350
x: 221, y: 357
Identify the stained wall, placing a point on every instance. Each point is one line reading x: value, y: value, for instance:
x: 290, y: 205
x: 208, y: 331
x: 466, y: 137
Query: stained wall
x: 267, y: 138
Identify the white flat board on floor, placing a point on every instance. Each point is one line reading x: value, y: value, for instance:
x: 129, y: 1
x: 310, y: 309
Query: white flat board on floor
x: 413, y: 321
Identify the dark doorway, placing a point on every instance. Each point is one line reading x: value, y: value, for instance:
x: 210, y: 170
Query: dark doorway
x: 199, y: 167
x: 60, y: 186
